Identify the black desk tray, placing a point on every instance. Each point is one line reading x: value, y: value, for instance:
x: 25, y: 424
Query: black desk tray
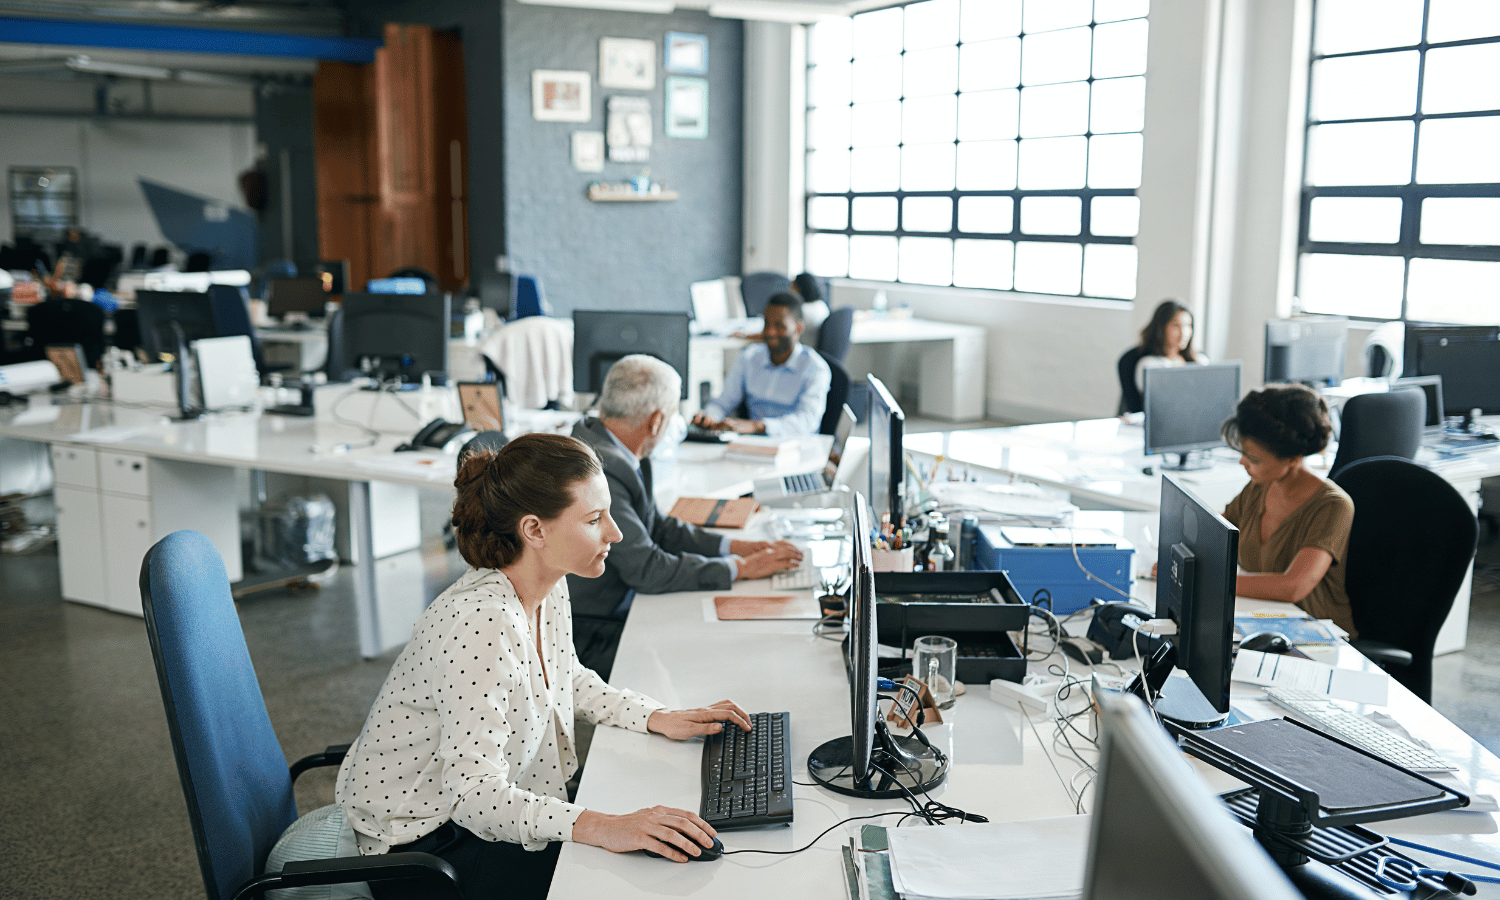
x: 958, y: 605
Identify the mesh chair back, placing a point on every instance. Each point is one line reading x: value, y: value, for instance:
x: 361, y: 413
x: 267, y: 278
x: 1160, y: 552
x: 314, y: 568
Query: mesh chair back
x: 838, y: 394
x: 66, y: 320
x: 529, y: 301
x: 834, y: 334
x: 1409, y: 549
x: 233, y: 772
x: 1131, y: 400
x: 1387, y: 424
x: 757, y: 288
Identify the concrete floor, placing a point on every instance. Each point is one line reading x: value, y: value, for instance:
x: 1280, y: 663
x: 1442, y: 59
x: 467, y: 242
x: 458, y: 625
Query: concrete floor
x: 93, y: 806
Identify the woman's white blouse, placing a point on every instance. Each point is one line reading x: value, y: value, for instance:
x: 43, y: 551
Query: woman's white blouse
x: 467, y: 728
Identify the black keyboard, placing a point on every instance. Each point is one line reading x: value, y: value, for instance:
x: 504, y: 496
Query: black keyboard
x: 707, y: 435
x: 747, y: 776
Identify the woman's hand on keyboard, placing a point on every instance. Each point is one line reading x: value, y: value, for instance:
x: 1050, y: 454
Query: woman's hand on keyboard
x: 774, y: 558
x: 660, y: 829
x: 681, y: 724
x: 745, y: 548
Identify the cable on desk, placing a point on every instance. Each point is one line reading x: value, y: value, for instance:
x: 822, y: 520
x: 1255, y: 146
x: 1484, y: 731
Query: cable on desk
x: 808, y: 845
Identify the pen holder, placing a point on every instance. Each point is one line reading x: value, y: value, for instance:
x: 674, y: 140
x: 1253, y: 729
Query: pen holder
x: 892, y: 560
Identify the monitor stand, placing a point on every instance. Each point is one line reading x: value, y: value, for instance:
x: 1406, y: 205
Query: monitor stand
x: 900, y: 766
x: 1176, y: 701
x: 1191, y: 461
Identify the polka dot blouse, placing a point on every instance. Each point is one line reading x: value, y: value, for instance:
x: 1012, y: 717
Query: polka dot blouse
x: 467, y: 726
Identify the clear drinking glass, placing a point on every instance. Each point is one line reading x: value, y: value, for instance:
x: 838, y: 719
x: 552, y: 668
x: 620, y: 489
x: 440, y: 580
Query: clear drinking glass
x: 934, y: 661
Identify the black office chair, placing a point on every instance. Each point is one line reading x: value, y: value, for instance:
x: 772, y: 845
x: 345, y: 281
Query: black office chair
x: 1388, y: 424
x: 757, y: 288
x: 1410, y: 547
x: 333, y: 366
x: 834, y: 334
x: 62, y: 320
x: 1131, y: 400
x: 838, y: 394
x: 234, y: 775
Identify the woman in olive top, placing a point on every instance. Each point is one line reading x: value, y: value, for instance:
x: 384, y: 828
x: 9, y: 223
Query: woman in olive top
x: 1294, y: 526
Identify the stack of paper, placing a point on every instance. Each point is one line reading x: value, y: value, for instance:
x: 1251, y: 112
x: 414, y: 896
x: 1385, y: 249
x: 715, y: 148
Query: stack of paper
x: 758, y: 448
x: 1039, y: 859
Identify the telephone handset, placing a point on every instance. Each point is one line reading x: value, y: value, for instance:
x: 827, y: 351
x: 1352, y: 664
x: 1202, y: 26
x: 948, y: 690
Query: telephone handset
x: 438, y: 434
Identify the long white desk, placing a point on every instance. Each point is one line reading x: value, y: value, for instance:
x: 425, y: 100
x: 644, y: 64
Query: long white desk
x: 1101, y: 463
x: 1005, y: 763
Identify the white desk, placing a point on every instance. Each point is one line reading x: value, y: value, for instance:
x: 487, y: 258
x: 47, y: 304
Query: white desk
x: 1101, y: 464
x: 953, y: 361
x: 1005, y: 765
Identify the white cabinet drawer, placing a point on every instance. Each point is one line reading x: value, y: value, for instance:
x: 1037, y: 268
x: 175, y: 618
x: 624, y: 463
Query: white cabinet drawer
x: 128, y: 535
x: 124, y: 473
x: 80, y: 544
x: 75, y: 466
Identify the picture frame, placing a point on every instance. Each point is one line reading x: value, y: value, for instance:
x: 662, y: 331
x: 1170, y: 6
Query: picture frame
x: 588, y: 151
x: 561, y: 96
x: 628, y: 128
x: 686, y: 108
x: 627, y: 63
x: 686, y: 54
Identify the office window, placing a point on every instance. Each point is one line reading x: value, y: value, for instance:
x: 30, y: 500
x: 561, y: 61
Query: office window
x: 978, y: 143
x: 43, y: 201
x: 1401, y: 183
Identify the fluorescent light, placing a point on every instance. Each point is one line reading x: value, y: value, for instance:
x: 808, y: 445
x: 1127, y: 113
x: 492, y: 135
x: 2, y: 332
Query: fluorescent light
x: 646, y: 6
x: 773, y: 12
x: 127, y: 70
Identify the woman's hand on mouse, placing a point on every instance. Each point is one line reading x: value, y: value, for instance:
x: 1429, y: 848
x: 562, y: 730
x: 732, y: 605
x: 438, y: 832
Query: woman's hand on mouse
x: 681, y: 724
x: 660, y: 829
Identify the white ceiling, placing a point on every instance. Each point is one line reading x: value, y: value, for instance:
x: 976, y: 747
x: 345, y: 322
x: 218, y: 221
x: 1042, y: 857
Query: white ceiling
x: 805, y: 11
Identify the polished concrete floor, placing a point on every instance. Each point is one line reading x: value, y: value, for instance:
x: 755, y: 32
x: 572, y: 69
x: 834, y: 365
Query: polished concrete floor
x: 93, y: 807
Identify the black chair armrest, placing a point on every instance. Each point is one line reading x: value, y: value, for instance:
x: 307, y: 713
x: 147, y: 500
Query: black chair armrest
x: 332, y: 756
x: 1383, y: 654
x: 438, y: 877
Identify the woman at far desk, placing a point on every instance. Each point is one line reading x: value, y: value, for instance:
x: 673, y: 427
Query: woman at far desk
x: 1167, y: 340
x: 1294, y: 526
x: 466, y: 751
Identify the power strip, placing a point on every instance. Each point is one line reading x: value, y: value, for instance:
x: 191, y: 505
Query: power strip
x: 1032, y: 696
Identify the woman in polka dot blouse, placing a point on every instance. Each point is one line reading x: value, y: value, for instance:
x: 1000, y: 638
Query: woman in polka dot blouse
x: 468, y: 746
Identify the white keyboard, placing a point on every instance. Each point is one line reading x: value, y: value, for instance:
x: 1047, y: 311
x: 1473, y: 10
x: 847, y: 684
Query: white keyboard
x: 1322, y: 711
x: 806, y: 575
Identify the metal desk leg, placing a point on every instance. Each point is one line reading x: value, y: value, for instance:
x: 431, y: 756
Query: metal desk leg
x: 362, y: 543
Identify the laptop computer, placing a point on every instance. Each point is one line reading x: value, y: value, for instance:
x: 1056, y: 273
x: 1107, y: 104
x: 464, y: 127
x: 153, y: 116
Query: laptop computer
x: 782, y: 486
x: 1432, y: 386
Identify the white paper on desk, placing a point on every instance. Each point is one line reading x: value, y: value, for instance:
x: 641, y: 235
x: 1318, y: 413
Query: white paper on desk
x: 112, y: 434
x: 37, y: 415
x: 1254, y: 667
x: 1036, y: 859
x: 425, y: 464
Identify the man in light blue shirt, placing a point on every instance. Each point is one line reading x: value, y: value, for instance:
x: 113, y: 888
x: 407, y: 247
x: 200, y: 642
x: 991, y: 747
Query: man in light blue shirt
x: 783, y: 384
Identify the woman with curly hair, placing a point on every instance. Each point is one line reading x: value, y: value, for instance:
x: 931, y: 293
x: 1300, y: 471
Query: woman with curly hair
x: 1294, y: 526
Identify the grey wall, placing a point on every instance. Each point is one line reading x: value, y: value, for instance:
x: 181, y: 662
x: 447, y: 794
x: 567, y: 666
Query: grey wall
x: 619, y: 255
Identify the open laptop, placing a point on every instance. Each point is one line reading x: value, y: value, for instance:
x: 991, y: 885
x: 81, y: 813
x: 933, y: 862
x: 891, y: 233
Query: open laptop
x: 1432, y: 386
x: 783, y: 486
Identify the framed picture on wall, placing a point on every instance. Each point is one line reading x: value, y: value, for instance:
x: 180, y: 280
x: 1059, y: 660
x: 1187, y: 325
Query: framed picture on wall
x: 687, y: 53
x: 588, y: 151
x: 558, y: 96
x: 627, y: 123
x: 628, y: 63
x: 687, y: 108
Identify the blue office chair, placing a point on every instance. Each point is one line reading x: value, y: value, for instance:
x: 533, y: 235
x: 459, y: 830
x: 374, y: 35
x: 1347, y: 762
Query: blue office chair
x: 528, y: 300
x: 234, y: 775
x: 757, y: 288
x: 231, y: 311
x: 834, y: 334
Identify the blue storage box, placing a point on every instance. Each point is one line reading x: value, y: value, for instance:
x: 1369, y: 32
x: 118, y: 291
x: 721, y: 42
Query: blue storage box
x: 1037, y: 558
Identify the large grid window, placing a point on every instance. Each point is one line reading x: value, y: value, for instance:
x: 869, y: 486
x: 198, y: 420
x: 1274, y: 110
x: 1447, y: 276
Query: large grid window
x: 978, y: 143
x: 1401, y: 184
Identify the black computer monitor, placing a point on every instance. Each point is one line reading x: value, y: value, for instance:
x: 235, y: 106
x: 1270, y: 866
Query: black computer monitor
x: 871, y: 762
x: 1470, y: 369
x: 600, y: 338
x: 1310, y: 350
x: 1185, y: 408
x: 1432, y: 386
x: 394, y: 336
x: 1158, y: 832
x: 295, y: 295
x: 1416, y: 332
x: 1196, y: 563
x: 887, y: 459
x: 157, y: 310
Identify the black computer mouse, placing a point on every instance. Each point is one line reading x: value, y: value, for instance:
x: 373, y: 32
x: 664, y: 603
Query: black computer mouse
x: 1266, y: 642
x: 708, y: 854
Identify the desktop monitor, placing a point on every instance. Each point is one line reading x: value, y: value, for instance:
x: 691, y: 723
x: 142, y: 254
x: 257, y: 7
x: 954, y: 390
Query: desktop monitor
x: 399, y: 336
x: 1196, y: 562
x: 871, y: 762
x: 1470, y: 369
x: 1432, y: 386
x: 157, y: 310
x: 887, y: 456
x: 1415, y: 333
x: 295, y: 295
x: 1185, y: 408
x: 600, y: 338
x: 1158, y: 832
x: 1310, y: 350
